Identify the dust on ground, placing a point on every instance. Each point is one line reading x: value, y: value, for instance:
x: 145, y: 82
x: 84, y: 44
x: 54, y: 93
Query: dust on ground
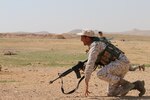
x: 32, y: 83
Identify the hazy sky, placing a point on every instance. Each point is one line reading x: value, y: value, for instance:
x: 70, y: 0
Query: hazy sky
x: 58, y: 16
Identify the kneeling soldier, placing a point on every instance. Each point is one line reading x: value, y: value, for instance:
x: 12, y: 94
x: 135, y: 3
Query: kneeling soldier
x: 116, y: 65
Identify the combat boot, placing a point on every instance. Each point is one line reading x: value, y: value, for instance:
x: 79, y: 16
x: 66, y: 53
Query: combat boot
x: 126, y: 87
x: 142, y: 67
x: 139, y: 85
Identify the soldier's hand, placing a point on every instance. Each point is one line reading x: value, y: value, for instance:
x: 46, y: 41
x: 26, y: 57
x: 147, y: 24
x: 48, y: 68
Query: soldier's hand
x: 87, y: 91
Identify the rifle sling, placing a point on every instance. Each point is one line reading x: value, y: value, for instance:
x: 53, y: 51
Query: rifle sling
x: 62, y: 89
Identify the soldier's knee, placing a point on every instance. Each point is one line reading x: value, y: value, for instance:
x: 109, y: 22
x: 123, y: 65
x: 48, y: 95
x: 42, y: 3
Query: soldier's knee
x: 101, y: 75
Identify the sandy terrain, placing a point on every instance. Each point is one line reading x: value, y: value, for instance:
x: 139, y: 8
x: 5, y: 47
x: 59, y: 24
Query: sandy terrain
x: 32, y: 83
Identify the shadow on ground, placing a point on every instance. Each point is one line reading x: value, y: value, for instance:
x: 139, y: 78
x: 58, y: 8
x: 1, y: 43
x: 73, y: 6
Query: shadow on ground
x: 120, y: 98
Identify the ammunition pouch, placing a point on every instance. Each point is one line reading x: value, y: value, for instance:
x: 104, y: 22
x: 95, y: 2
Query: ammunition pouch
x: 110, y: 53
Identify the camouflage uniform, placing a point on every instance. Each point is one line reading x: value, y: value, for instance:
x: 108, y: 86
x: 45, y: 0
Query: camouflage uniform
x: 95, y: 49
x: 112, y: 73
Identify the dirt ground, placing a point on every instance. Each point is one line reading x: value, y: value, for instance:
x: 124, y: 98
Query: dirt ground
x: 32, y: 83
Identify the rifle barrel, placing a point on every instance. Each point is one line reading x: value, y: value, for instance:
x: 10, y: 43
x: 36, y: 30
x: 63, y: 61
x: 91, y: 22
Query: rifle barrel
x: 53, y: 80
x: 62, y: 75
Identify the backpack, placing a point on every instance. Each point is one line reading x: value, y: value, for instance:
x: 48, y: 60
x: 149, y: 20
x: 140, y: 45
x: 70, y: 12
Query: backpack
x: 110, y: 53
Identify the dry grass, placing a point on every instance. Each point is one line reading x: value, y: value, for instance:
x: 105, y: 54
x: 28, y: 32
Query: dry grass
x: 137, y: 48
x: 29, y: 81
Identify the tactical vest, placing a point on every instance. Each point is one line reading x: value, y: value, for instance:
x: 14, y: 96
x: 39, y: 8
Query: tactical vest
x: 110, y: 53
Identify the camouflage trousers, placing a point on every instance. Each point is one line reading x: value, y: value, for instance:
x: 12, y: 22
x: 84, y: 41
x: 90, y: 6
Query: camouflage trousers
x: 113, y: 72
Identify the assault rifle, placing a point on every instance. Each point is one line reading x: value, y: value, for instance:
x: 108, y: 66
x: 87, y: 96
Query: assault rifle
x: 76, y: 69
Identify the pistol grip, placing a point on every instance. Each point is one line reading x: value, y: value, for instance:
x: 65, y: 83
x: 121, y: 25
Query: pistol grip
x: 78, y: 73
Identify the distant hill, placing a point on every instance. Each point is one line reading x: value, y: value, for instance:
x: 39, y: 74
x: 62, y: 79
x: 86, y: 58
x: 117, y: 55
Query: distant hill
x: 137, y: 32
x: 133, y: 32
x: 40, y: 32
x: 70, y: 34
x: 75, y: 31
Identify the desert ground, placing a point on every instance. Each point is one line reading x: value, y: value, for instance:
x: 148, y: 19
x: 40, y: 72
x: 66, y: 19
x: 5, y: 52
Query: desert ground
x: 28, y: 79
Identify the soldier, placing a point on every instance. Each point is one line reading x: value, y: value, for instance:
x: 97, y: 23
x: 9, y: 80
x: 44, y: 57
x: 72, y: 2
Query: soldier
x: 101, y: 34
x: 135, y: 67
x: 115, y: 63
